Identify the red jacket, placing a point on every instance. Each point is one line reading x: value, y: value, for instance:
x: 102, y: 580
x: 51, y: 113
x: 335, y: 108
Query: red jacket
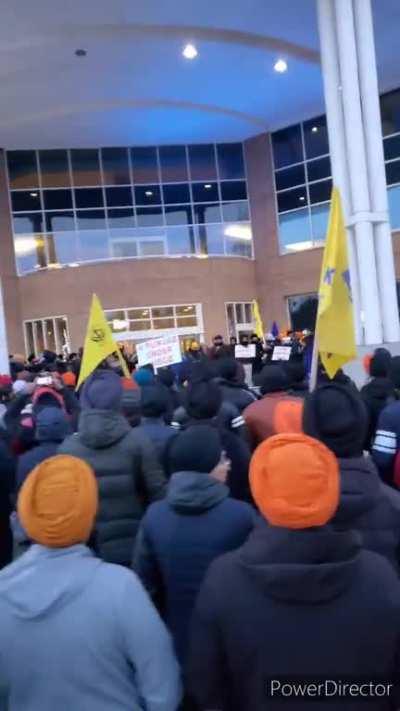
x: 274, y: 414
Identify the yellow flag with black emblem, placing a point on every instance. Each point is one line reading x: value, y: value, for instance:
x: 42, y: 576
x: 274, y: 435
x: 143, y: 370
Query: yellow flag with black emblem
x: 99, y: 343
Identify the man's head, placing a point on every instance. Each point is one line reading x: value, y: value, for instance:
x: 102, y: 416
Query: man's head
x: 102, y: 391
x: 273, y: 379
x: 57, y: 503
x: 203, y: 400
x: 218, y: 341
x: 336, y: 415
x: 244, y: 339
x: 380, y: 363
x: 233, y: 340
x: 255, y: 339
x: 228, y: 369
x: 154, y: 400
x: 196, y: 449
x: 294, y: 481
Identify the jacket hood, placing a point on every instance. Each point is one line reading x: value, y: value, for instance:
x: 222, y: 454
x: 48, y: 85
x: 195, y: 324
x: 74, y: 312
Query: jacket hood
x: 301, y: 566
x: 379, y: 388
x: 359, y: 488
x: 194, y: 492
x: 99, y: 429
x: 51, y: 425
x: 46, y: 579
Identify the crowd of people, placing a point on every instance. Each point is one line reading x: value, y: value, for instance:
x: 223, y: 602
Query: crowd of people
x: 183, y: 539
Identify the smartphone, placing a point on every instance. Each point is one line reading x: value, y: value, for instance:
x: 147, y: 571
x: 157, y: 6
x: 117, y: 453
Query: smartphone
x: 45, y: 380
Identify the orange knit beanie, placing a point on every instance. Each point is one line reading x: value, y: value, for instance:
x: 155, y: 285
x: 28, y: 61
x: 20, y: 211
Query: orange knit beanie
x: 57, y: 503
x: 295, y: 481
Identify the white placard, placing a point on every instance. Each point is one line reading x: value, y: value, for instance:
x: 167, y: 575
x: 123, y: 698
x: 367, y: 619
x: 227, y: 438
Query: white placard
x: 159, y: 351
x: 245, y: 351
x: 282, y: 353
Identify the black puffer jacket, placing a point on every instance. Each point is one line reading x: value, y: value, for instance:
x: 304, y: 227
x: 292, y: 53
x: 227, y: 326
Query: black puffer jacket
x: 128, y: 474
x: 236, y: 393
x: 369, y: 507
x: 376, y: 394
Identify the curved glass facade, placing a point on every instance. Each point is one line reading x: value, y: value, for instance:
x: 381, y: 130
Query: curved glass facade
x: 88, y: 205
x: 303, y: 181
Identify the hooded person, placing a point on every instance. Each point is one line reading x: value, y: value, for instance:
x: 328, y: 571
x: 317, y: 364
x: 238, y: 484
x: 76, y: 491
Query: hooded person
x: 299, y: 600
x: 51, y: 428
x: 378, y: 392
x: 126, y: 468
x: 336, y: 415
x: 277, y: 412
x: 154, y: 407
x: 180, y: 536
x: 386, y: 445
x: 73, y: 627
x: 234, y: 389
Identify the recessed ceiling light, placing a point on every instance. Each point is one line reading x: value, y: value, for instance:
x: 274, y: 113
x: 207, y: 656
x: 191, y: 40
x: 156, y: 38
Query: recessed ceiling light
x: 302, y: 198
x: 190, y: 51
x: 280, y: 66
x: 33, y: 194
x: 208, y: 186
x: 314, y: 129
x: 149, y: 193
x: 80, y: 52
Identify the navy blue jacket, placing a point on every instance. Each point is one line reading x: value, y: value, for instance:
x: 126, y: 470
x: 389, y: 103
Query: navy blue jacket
x: 178, y: 539
x: 158, y: 433
x: 387, y: 440
x: 306, y: 604
x: 370, y: 507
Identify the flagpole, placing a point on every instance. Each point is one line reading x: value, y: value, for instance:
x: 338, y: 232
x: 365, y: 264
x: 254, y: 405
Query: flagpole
x: 4, y: 359
x: 314, y: 366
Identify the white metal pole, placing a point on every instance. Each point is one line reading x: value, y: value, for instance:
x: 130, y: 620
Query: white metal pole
x: 376, y: 168
x: 4, y: 355
x: 337, y: 139
x: 358, y: 171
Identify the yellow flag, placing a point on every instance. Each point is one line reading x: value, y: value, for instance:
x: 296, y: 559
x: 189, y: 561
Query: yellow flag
x: 99, y: 342
x: 259, y: 330
x: 335, y: 321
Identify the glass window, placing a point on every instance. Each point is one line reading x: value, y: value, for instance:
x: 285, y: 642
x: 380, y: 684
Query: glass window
x: 390, y: 112
x: 89, y: 197
x: 22, y: 169
x: 173, y: 164
x: 63, y: 247
x: 393, y: 172
x: 394, y: 206
x: 124, y: 217
x: 317, y: 169
x: 140, y: 326
x: 91, y: 219
x: 93, y: 244
x: 85, y: 166
x: 25, y: 201
x: 210, y: 239
x: 115, y: 315
x: 320, y: 192
x: 186, y: 310
x: 38, y: 330
x: 391, y: 147
x: 148, y: 195
x: 207, y: 213
x: 137, y: 314
x: 59, y: 221
x: 151, y: 248
x: 303, y: 311
x: 145, y: 165
x: 50, y: 334
x: 176, y: 194
x: 294, y: 230
x: 57, y: 199
x: 115, y: 166
x: 162, y: 311
x: 230, y: 161
x: 290, y: 177
x: 234, y: 190
x: 178, y: 215
x: 160, y: 323
x: 205, y: 192
x: 61, y: 324
x: 28, y: 222
x: 124, y: 248
x: 149, y: 216
x: 316, y: 137
x: 202, y: 162
x: 236, y: 211
x: 54, y: 169
x: 186, y: 322
x: 287, y: 146
x: 291, y: 199
x: 240, y: 232
x: 180, y: 240
x: 319, y: 221
x: 30, y: 253
x: 30, y: 344
x: 118, y: 197
x: 238, y: 247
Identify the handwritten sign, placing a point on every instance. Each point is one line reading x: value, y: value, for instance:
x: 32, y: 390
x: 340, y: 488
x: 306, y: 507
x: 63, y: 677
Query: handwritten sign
x: 159, y: 351
x: 281, y: 353
x: 242, y: 352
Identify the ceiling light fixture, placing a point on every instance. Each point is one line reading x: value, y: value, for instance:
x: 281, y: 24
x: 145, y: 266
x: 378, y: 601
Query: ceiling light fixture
x: 190, y: 51
x: 302, y: 198
x: 149, y: 193
x: 314, y: 129
x: 80, y: 52
x: 280, y: 66
x: 208, y: 186
x: 33, y: 194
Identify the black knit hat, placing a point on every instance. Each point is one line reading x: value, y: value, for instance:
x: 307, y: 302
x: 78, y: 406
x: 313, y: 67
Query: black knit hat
x: 273, y: 379
x: 203, y: 400
x: 380, y: 363
x: 154, y: 400
x: 336, y: 415
x: 197, y: 449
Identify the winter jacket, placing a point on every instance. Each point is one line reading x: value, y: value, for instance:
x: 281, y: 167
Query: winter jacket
x: 275, y: 413
x: 376, y: 394
x: 77, y: 633
x: 128, y: 474
x: 369, y: 507
x: 7, y: 483
x: 301, y: 604
x: 178, y: 539
x: 159, y: 434
x: 387, y: 440
x: 236, y: 393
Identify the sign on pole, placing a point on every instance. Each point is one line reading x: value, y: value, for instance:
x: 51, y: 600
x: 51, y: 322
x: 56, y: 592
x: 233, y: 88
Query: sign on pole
x: 159, y: 351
